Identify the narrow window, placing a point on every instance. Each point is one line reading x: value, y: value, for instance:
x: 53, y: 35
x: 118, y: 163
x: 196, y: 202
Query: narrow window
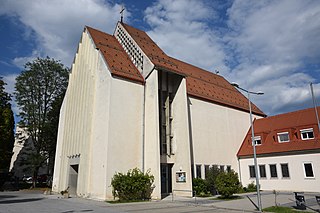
x: 198, y: 171
x: 308, y: 170
x: 252, y: 172
x: 257, y: 140
x: 283, y: 137
x: 222, y: 168
x: 285, y: 170
x: 262, y: 171
x: 307, y: 134
x: 228, y: 168
x: 206, y: 170
x: 273, y: 170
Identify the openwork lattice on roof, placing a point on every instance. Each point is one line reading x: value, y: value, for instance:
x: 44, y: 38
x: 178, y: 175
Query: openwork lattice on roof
x: 129, y: 46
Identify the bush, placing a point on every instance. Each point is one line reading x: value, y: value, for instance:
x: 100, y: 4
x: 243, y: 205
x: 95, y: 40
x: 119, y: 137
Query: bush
x: 135, y: 185
x: 211, y: 177
x: 227, y: 183
x: 251, y: 187
x: 200, y: 187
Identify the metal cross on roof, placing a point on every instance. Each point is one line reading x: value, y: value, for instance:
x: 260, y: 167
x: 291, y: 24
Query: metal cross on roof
x: 121, y: 12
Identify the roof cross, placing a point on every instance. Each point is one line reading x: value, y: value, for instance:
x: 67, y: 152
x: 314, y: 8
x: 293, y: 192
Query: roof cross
x: 121, y: 12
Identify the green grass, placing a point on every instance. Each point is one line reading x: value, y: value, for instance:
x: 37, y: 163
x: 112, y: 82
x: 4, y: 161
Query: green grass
x: 233, y: 197
x: 282, y: 209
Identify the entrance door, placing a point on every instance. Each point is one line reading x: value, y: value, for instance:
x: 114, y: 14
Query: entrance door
x: 166, y: 179
x: 73, y: 179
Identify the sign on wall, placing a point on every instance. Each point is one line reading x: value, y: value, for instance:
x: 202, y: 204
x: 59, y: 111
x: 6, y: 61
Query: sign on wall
x: 181, y: 177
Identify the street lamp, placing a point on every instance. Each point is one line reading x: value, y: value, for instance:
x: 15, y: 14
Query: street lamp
x: 253, y: 142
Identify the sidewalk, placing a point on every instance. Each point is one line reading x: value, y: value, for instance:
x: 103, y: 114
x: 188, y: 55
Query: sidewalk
x: 286, y: 199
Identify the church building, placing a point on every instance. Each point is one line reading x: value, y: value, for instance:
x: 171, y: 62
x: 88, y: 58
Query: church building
x: 130, y: 105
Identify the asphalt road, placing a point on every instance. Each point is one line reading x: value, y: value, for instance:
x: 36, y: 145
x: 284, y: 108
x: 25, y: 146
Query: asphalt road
x: 35, y: 201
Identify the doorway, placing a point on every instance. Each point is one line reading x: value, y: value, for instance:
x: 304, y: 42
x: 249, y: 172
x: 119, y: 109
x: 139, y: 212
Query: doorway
x: 73, y: 179
x: 166, y: 179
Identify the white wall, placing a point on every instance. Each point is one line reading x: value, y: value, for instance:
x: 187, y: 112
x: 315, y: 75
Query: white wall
x: 297, y: 180
x: 217, y: 133
x: 181, y: 141
x: 125, y: 140
x: 151, y: 134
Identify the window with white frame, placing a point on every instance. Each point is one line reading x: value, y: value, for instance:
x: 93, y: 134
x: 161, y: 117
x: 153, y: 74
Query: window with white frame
x: 285, y: 170
x: 206, y: 170
x: 198, y: 171
x: 273, y: 170
x: 262, y: 171
x: 307, y: 134
x: 257, y: 140
x: 308, y: 170
x: 252, y: 172
x: 283, y: 137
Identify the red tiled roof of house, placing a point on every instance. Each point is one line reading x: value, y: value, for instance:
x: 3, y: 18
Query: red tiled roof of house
x: 293, y: 122
x: 118, y: 61
x: 200, y: 83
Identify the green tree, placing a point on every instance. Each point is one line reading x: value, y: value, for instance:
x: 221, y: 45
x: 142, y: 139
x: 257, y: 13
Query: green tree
x: 38, y: 87
x: 211, y: 177
x: 228, y: 183
x: 6, y: 131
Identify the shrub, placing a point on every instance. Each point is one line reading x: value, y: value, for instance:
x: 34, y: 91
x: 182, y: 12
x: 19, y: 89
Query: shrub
x: 211, y: 177
x: 227, y: 183
x: 135, y: 185
x: 200, y: 187
x: 251, y: 187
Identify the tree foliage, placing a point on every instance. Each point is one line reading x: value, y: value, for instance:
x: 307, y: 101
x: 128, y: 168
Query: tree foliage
x: 227, y: 183
x: 211, y: 177
x: 135, y: 185
x: 39, y: 92
x: 6, y: 131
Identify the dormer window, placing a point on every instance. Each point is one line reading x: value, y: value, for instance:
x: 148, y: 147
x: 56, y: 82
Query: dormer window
x: 257, y: 140
x: 307, y: 134
x: 283, y: 137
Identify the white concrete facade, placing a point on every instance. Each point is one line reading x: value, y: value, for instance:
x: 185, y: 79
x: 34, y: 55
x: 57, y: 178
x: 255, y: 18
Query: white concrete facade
x: 297, y: 180
x: 216, y: 132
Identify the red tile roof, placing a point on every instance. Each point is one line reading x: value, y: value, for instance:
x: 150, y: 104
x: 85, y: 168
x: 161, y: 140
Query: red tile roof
x: 200, y: 83
x: 292, y: 123
x: 118, y: 61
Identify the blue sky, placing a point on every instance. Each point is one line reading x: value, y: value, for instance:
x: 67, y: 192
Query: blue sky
x: 267, y: 45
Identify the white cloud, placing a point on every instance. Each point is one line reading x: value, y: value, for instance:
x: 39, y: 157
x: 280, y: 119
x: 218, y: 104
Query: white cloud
x: 275, y: 44
x: 21, y: 61
x: 57, y: 24
x: 181, y: 29
x: 10, y: 80
x: 266, y: 45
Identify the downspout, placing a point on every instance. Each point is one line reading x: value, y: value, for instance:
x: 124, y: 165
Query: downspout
x: 144, y: 120
x: 239, y: 165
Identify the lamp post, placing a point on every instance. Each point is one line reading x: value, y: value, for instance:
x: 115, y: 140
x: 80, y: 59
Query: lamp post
x: 253, y: 142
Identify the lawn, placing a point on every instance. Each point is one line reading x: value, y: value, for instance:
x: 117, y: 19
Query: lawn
x: 282, y: 209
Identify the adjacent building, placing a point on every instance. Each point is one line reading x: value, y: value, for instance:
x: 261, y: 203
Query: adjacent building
x: 129, y: 104
x: 288, y: 152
